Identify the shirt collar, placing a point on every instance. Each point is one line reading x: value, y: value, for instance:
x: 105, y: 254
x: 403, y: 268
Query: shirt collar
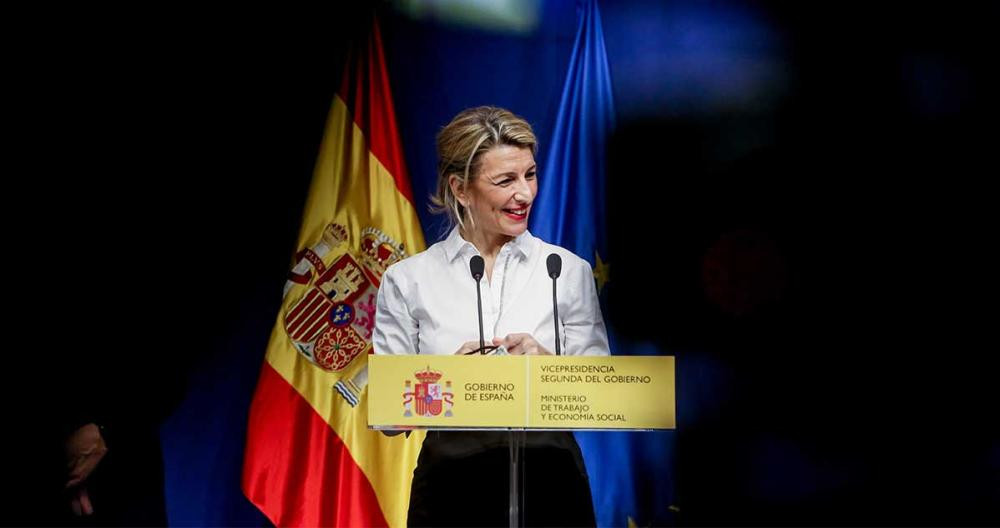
x: 455, y: 246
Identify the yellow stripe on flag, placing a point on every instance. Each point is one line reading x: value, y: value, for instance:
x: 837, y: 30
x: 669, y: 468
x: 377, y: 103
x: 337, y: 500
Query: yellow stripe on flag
x: 352, y: 188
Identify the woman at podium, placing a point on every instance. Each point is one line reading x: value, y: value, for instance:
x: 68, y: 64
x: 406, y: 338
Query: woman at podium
x: 427, y: 304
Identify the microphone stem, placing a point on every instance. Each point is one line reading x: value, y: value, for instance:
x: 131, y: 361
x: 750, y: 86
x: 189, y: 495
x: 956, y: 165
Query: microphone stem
x: 479, y: 305
x: 555, y: 316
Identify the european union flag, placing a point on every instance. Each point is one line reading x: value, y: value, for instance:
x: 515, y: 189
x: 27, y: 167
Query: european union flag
x: 630, y: 473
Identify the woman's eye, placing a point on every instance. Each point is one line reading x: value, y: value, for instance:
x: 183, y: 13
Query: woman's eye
x: 530, y: 176
x: 504, y: 182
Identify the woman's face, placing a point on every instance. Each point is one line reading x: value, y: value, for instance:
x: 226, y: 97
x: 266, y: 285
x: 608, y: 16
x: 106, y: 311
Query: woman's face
x: 499, y: 196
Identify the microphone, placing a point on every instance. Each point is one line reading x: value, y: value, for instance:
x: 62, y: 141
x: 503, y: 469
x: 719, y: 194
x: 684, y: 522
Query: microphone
x: 476, y: 267
x: 554, y: 265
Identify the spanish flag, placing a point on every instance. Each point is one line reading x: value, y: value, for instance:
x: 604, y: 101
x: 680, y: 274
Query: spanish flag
x: 310, y: 458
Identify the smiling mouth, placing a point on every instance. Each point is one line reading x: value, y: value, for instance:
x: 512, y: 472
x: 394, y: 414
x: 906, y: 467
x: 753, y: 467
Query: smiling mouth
x: 516, y: 214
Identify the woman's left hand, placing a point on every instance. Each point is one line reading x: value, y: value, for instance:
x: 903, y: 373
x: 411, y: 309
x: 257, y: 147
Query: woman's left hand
x: 521, y: 344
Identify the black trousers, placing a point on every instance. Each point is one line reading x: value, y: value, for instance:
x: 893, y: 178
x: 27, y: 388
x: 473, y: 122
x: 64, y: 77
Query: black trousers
x: 463, y: 479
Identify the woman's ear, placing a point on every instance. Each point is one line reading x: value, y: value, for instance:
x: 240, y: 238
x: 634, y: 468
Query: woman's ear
x: 458, y: 190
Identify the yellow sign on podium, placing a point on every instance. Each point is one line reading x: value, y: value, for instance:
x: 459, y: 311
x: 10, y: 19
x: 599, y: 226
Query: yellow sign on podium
x: 521, y: 392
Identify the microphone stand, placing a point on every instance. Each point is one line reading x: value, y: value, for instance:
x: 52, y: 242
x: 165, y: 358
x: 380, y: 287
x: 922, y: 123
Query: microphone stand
x: 516, y: 472
x: 516, y: 438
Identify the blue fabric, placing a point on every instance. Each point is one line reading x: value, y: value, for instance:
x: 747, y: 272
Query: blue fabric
x: 569, y: 210
x: 630, y: 473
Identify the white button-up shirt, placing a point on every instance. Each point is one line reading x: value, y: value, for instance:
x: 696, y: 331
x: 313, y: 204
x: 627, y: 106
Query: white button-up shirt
x: 427, y: 303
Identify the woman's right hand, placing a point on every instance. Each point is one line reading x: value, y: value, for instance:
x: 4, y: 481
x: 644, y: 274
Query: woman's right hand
x: 467, y: 348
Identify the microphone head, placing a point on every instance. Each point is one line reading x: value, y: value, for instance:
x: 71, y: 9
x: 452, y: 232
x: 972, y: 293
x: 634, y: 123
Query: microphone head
x: 476, y: 266
x: 554, y: 264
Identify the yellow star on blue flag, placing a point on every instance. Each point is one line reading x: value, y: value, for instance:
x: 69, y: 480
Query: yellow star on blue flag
x: 602, y: 271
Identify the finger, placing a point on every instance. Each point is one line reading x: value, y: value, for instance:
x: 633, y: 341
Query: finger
x: 75, y: 473
x: 516, y: 349
x: 88, y: 465
x: 529, y: 345
x: 517, y: 343
x: 83, y: 466
x: 522, y: 338
x: 85, y: 504
x: 513, y: 340
x: 535, y: 349
x: 467, y: 347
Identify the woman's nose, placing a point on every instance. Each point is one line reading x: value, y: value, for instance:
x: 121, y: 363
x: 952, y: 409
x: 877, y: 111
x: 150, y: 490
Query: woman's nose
x: 522, y: 193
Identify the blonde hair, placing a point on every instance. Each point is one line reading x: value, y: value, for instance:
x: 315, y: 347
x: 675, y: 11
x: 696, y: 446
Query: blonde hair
x: 461, y: 145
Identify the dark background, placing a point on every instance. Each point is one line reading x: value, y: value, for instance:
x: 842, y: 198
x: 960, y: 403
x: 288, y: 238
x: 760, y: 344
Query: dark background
x: 847, y: 312
x: 797, y: 199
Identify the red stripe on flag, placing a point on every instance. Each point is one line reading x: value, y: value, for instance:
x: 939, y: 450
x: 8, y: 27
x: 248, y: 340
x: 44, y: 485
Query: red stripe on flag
x: 296, y: 469
x: 305, y: 304
x: 292, y: 318
x: 309, y: 321
x: 315, y: 329
x: 313, y: 311
x: 369, y: 100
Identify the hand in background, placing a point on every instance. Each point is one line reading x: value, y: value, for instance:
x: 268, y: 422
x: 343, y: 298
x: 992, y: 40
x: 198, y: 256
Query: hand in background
x: 84, y: 450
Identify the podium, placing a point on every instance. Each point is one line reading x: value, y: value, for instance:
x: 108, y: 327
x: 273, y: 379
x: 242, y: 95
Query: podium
x: 519, y: 394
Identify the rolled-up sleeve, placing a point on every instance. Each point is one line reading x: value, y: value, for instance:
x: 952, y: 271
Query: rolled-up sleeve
x: 395, y: 329
x: 583, y: 325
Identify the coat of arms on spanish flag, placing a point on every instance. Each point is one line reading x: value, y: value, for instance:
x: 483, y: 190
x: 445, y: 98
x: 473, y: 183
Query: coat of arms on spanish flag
x: 310, y: 459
